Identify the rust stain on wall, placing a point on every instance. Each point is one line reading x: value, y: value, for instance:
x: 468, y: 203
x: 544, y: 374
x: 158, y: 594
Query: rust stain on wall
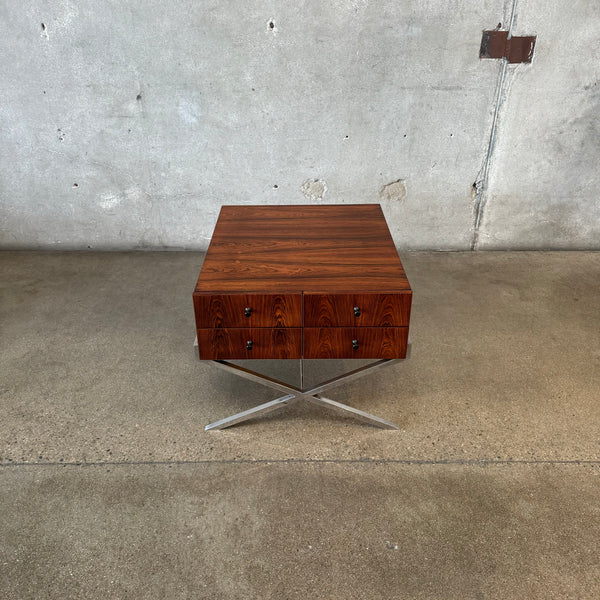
x: 497, y: 44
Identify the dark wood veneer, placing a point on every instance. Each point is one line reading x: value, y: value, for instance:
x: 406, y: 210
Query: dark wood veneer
x: 230, y: 310
x: 282, y: 249
x: 215, y: 344
x: 374, y: 310
x: 302, y: 269
x: 372, y: 342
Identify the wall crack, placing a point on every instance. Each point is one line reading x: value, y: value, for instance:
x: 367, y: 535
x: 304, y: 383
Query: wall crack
x: 480, y: 185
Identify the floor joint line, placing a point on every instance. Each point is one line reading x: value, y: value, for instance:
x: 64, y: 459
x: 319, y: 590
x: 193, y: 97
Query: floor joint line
x: 371, y: 461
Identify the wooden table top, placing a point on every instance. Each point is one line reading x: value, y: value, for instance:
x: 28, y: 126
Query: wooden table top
x: 302, y: 248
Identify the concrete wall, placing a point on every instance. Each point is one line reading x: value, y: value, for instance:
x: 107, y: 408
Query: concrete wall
x: 127, y: 125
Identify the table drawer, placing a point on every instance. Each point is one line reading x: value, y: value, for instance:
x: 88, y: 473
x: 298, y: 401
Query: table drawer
x: 224, y: 344
x: 355, y: 342
x: 248, y: 310
x: 357, y: 310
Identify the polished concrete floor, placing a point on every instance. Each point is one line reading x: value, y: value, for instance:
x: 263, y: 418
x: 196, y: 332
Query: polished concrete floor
x: 110, y: 487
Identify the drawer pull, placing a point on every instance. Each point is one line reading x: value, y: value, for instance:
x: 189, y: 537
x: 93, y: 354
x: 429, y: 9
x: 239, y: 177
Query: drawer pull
x: 249, y: 345
x: 357, y: 311
x: 354, y: 344
x: 247, y: 311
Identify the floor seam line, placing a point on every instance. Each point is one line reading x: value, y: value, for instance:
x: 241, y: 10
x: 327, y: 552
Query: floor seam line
x: 371, y: 461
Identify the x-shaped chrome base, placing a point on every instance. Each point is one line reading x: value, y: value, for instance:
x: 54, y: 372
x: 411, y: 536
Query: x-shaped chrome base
x: 295, y: 394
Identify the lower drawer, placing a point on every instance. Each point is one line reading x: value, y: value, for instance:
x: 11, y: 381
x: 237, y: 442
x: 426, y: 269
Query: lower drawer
x: 355, y: 342
x: 223, y: 344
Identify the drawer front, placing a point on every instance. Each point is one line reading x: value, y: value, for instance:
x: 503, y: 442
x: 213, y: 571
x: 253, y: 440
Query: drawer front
x: 224, y: 344
x: 357, y: 310
x: 355, y: 342
x: 248, y: 310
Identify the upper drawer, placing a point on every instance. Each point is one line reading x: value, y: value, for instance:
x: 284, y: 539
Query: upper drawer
x: 248, y: 310
x: 357, y: 310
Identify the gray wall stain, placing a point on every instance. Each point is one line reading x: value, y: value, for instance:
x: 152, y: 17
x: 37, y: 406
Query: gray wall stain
x: 314, y: 189
x: 395, y: 191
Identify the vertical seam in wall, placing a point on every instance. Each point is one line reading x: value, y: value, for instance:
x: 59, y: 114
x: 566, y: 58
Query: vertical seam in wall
x: 481, y: 184
x: 512, y: 18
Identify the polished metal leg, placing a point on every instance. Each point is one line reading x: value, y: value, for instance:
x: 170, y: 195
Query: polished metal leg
x: 293, y: 393
x: 359, y: 414
x: 262, y: 409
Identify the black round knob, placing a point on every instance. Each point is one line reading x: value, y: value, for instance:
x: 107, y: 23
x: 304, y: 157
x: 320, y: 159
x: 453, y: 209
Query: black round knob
x: 249, y: 345
x: 354, y: 344
x: 357, y: 311
x: 247, y: 311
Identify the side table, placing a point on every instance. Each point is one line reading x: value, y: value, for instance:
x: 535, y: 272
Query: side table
x: 302, y: 282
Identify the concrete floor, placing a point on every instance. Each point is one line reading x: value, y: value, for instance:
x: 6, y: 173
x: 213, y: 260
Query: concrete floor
x: 110, y: 488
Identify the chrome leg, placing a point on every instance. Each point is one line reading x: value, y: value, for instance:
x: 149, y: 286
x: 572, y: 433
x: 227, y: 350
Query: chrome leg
x: 352, y: 375
x: 359, y: 414
x: 254, y: 376
x: 294, y: 393
x: 262, y: 409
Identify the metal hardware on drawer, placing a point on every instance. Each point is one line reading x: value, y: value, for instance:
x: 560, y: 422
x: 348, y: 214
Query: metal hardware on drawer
x: 357, y: 311
x: 249, y: 345
x: 247, y: 311
x: 354, y: 344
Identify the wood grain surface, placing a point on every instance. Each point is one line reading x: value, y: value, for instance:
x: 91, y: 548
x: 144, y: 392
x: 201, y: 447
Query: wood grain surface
x: 265, y: 310
x: 373, y: 342
x: 219, y: 343
x: 283, y: 249
x: 374, y: 310
x: 288, y: 279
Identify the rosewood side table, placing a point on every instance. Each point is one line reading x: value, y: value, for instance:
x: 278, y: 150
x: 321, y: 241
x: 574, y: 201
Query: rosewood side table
x: 302, y: 282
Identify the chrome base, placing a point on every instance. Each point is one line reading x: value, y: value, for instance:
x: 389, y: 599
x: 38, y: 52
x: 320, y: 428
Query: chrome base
x: 295, y: 394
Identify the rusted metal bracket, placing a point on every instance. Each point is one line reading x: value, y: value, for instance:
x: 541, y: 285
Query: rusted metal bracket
x: 497, y: 44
